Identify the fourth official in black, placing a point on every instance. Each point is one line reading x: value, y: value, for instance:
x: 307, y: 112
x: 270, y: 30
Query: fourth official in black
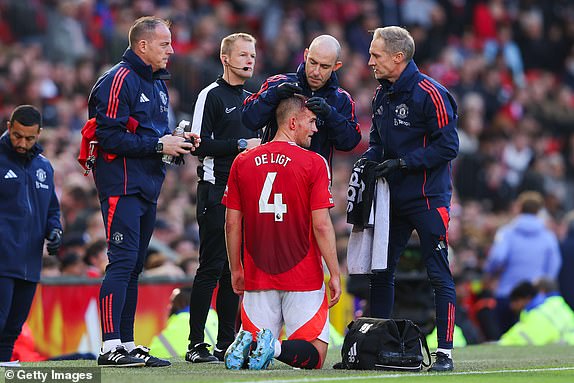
x: 217, y: 118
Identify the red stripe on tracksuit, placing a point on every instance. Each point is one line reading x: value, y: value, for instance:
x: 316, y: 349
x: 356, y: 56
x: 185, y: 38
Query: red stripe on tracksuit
x: 110, y: 316
x: 113, y: 100
x: 341, y: 90
x: 125, y: 176
x: 103, y: 314
x: 113, y: 201
x: 441, y: 115
x: 445, y: 219
x: 106, y: 313
x: 450, y: 327
x: 264, y: 87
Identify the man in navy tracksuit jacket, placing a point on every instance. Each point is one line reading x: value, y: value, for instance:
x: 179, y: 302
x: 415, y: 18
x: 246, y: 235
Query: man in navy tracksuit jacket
x: 29, y: 213
x: 316, y: 78
x: 414, y: 135
x: 129, y: 173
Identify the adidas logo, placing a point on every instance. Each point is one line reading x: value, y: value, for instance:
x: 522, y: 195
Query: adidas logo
x: 115, y: 357
x: 194, y: 356
x: 353, y: 350
x: 141, y: 356
x: 10, y: 174
x: 365, y: 328
x: 440, y: 246
x: 143, y: 98
x: 352, y: 354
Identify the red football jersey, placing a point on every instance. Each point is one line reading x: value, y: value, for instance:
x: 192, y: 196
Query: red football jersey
x: 276, y: 186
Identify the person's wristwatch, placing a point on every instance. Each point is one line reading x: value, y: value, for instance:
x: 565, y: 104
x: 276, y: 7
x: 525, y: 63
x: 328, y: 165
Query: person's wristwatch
x: 241, y: 144
x: 159, y: 147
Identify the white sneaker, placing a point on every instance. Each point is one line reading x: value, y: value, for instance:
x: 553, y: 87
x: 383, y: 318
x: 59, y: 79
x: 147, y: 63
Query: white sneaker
x: 14, y: 363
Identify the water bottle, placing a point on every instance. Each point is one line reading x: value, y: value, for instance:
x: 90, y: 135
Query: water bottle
x: 178, y: 131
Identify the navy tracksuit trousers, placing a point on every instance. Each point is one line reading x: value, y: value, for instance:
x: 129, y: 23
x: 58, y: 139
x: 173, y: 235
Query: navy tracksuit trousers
x: 16, y: 297
x: 129, y: 222
x: 431, y: 227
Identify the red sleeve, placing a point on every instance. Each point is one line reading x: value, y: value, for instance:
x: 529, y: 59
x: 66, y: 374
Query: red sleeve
x: 321, y: 185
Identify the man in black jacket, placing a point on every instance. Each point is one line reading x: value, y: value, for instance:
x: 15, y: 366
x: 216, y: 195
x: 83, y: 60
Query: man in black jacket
x: 217, y: 119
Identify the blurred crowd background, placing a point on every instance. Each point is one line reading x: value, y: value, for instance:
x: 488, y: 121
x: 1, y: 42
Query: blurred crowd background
x: 509, y: 64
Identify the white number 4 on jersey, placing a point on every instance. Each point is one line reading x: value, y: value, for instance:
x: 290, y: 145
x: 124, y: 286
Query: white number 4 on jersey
x: 277, y: 208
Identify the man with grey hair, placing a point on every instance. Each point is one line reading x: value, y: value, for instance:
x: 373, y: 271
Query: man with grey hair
x: 337, y: 124
x: 414, y: 137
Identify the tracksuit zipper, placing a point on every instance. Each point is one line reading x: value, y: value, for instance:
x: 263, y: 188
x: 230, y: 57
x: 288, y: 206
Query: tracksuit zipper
x: 27, y: 186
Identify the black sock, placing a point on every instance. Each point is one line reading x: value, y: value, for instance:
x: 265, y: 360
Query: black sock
x: 299, y: 353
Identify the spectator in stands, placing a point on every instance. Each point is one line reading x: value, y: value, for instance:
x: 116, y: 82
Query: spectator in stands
x: 96, y: 259
x: 524, y: 249
x: 190, y: 266
x: 50, y: 267
x: 158, y: 265
x: 503, y: 46
x: 72, y: 265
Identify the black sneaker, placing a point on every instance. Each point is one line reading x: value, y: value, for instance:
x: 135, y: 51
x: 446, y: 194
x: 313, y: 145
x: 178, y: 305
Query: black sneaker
x: 119, y: 358
x: 219, y: 353
x: 200, y: 354
x: 442, y: 363
x: 142, y: 352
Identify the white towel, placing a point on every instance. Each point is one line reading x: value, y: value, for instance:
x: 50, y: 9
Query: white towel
x: 367, y: 249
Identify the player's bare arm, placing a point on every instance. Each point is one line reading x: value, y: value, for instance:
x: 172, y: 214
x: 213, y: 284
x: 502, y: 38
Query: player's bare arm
x: 325, y: 235
x: 233, y: 242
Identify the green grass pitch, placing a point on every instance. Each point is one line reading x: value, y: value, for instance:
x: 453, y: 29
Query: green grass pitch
x: 483, y: 363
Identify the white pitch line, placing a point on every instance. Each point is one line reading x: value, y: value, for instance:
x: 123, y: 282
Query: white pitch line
x: 365, y: 377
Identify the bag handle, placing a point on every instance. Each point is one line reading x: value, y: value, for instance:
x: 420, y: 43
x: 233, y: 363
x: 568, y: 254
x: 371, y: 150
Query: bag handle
x: 425, y: 346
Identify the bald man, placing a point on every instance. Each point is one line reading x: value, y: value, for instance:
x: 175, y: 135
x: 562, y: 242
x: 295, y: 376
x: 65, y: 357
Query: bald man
x: 315, y: 78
